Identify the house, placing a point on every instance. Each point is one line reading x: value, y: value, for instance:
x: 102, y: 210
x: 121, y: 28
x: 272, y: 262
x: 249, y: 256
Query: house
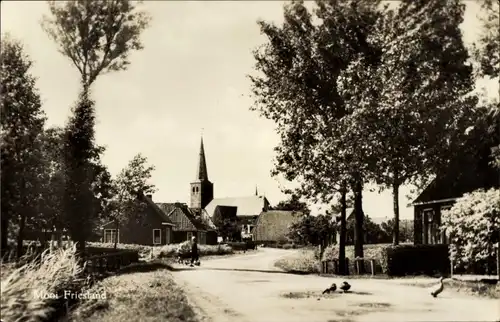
x: 187, y: 222
x: 152, y: 227
x: 248, y: 210
x: 274, y: 225
x: 463, y: 176
x: 202, y: 199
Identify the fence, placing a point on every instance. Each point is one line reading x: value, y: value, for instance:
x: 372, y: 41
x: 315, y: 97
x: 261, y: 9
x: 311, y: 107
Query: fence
x: 111, y: 261
x: 357, y: 266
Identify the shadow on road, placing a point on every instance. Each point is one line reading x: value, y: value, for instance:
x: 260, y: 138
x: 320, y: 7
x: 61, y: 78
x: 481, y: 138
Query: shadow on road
x: 175, y: 269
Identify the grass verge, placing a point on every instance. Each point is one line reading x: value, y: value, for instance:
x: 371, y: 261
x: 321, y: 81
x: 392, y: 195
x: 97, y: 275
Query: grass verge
x: 475, y: 288
x: 149, y: 294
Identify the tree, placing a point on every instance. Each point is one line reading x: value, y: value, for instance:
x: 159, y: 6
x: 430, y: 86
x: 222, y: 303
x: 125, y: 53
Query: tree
x: 293, y: 204
x: 411, y: 95
x: 97, y: 36
x: 226, y: 227
x: 22, y: 122
x: 405, y: 231
x: 312, y: 230
x: 373, y: 233
x: 130, y: 186
x: 297, y: 89
x: 473, y: 225
x: 487, y: 50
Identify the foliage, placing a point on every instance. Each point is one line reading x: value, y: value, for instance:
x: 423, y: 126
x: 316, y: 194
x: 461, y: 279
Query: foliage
x: 406, y: 231
x: 415, y: 259
x: 297, y: 89
x: 81, y: 155
x: 373, y: 232
x: 54, y: 274
x: 227, y: 228
x: 312, y: 230
x: 473, y: 225
x: 411, y: 103
x: 293, y: 204
x: 97, y: 36
x: 22, y: 122
x: 487, y: 50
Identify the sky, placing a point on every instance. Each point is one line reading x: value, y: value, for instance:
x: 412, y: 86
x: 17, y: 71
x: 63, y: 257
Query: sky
x: 190, y: 78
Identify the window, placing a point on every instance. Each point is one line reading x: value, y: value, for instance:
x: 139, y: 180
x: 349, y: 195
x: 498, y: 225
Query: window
x: 194, y: 189
x: 156, y: 236
x: 110, y: 236
x: 189, y: 235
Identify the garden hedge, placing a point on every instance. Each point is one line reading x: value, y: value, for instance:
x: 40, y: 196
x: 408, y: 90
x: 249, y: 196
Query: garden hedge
x: 404, y: 260
x: 241, y: 245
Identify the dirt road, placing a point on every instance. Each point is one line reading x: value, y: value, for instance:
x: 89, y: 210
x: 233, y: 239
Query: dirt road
x: 248, y: 288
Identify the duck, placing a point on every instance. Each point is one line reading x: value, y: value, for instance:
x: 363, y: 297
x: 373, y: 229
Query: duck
x: 331, y: 289
x: 438, y: 288
x: 345, y: 287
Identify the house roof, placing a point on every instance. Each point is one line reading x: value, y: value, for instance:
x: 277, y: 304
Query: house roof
x: 226, y: 211
x: 274, y: 224
x: 246, y: 206
x: 160, y: 212
x: 458, y: 180
x: 199, y: 222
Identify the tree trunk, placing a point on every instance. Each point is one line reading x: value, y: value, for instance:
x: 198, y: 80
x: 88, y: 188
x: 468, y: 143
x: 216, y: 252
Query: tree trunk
x: 4, y: 233
x: 343, y: 229
x: 116, y: 236
x: 395, y: 198
x: 358, y: 214
x: 20, y: 233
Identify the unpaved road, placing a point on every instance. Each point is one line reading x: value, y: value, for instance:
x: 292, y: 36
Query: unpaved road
x: 248, y: 288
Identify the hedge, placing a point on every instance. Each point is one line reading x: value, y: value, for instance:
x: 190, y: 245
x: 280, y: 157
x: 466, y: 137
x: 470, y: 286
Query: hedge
x: 415, y: 259
x: 241, y: 245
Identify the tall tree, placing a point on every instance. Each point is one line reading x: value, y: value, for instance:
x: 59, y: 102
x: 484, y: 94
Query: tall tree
x: 80, y: 155
x: 293, y: 204
x: 22, y: 122
x: 130, y: 186
x: 297, y: 88
x: 487, y: 50
x: 97, y: 36
x: 413, y: 104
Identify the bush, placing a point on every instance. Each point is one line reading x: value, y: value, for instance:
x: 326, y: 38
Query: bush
x: 473, y: 224
x: 239, y: 246
x: 52, y: 274
x: 184, y: 248
x: 415, y: 259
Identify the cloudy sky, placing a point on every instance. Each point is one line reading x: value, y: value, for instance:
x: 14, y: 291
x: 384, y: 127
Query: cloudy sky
x: 191, y: 75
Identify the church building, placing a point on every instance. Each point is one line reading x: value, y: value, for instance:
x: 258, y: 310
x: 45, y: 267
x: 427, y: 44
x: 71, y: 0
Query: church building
x: 202, y: 200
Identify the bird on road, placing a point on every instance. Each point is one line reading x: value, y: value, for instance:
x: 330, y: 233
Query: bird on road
x: 438, y: 288
x: 345, y: 287
x: 331, y: 289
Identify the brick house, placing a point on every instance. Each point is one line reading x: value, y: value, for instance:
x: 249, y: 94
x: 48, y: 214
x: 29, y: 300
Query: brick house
x: 461, y: 177
x: 273, y: 225
x: 152, y: 227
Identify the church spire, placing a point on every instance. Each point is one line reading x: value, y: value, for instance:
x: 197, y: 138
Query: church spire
x: 202, y: 164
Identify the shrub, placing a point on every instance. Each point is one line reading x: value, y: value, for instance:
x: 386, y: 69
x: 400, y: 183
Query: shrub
x: 473, y: 224
x: 53, y: 273
x: 173, y: 250
x: 415, y: 259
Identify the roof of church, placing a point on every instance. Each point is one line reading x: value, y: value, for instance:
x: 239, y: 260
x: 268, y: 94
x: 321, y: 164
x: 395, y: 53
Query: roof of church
x: 247, y: 206
x: 202, y: 173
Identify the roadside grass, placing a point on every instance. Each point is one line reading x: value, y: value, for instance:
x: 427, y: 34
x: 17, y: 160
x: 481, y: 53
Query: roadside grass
x: 138, y: 296
x: 22, y: 288
x: 476, y: 288
x: 301, y: 261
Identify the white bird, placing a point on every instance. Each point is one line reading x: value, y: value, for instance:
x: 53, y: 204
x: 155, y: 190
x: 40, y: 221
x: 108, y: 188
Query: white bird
x: 438, y: 288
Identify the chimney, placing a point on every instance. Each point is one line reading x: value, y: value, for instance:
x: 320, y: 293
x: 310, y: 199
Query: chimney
x: 150, y: 197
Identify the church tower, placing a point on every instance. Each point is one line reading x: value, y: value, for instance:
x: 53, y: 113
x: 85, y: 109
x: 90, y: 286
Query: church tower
x: 202, y: 190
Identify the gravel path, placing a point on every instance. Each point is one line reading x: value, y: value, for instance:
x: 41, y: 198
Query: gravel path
x: 248, y: 288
